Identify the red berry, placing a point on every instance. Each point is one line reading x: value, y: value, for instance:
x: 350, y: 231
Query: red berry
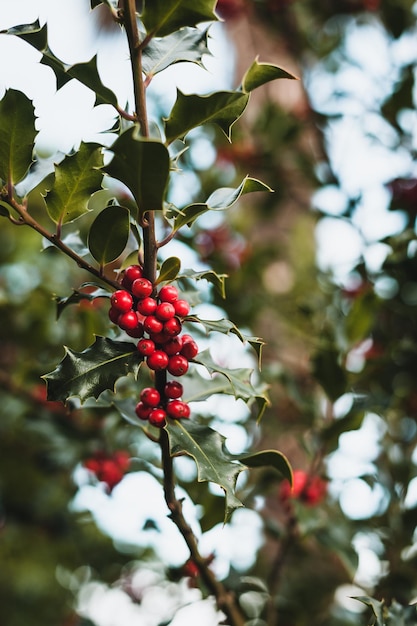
x: 142, y: 410
x: 189, y: 349
x: 152, y: 324
x: 173, y: 346
x: 128, y: 320
x: 168, y: 293
x: 178, y: 409
x: 165, y: 311
x: 122, y: 458
x: 186, y: 339
x: 158, y: 360
x: 121, y: 300
x: 150, y: 396
x: 177, y: 365
x: 92, y: 465
x: 136, y: 332
x: 173, y: 390
x: 146, y: 306
x: 131, y: 273
x: 160, y: 338
x: 146, y: 347
x: 110, y: 473
x: 172, y: 327
x: 182, y: 308
x: 114, y: 314
x: 157, y: 417
x: 142, y: 287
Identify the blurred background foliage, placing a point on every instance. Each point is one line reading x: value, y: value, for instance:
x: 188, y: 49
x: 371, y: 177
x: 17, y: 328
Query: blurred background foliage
x: 340, y: 355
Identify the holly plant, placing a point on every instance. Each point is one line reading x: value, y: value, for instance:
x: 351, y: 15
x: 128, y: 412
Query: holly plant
x: 149, y: 366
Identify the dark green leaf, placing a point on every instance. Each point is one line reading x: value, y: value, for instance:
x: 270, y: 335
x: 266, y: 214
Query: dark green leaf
x: 260, y: 73
x: 240, y: 381
x: 87, y: 374
x: 189, y: 111
x: 162, y: 17
x: 272, y: 458
x: 169, y: 269
x: 376, y: 606
x: 17, y: 135
x: 143, y: 166
x: 217, y: 280
x: 219, y: 200
x: 86, y: 73
x: 76, y: 178
x: 109, y: 234
x: 187, y: 44
x: 329, y: 373
x: 4, y: 209
x: 214, y: 463
x: 78, y: 296
x: 226, y: 327
x: 352, y: 421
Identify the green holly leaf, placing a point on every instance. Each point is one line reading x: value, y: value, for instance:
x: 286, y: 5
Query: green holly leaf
x: 223, y: 108
x: 86, y: 73
x: 227, y: 327
x: 260, y: 73
x: 214, y: 463
x: 76, y: 178
x: 220, y: 200
x: 78, y: 296
x: 240, y: 382
x: 217, y: 280
x: 269, y: 458
x: 4, y: 209
x: 162, y: 17
x: 17, y: 136
x: 187, y: 44
x: 169, y: 269
x: 376, y: 606
x: 109, y: 234
x: 87, y: 374
x: 143, y: 166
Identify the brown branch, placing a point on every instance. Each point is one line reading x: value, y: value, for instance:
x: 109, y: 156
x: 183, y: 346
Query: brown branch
x: 25, y: 219
x: 225, y: 599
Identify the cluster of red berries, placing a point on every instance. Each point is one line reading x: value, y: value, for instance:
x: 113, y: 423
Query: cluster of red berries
x: 108, y: 468
x: 156, y: 320
x: 156, y: 409
x: 311, y: 490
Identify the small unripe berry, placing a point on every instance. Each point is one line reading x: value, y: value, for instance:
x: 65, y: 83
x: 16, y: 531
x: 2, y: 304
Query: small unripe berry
x: 189, y: 349
x: 158, y: 360
x: 121, y: 300
x: 142, y: 287
x: 182, y: 308
x: 157, y: 417
x: 173, y: 390
x: 152, y: 324
x: 128, y: 320
x: 146, y: 306
x: 131, y: 273
x: 168, y: 293
x: 146, y: 347
x: 178, y: 409
x: 150, y: 396
x: 177, y: 365
x: 165, y: 311
x: 142, y: 410
x: 172, y: 327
